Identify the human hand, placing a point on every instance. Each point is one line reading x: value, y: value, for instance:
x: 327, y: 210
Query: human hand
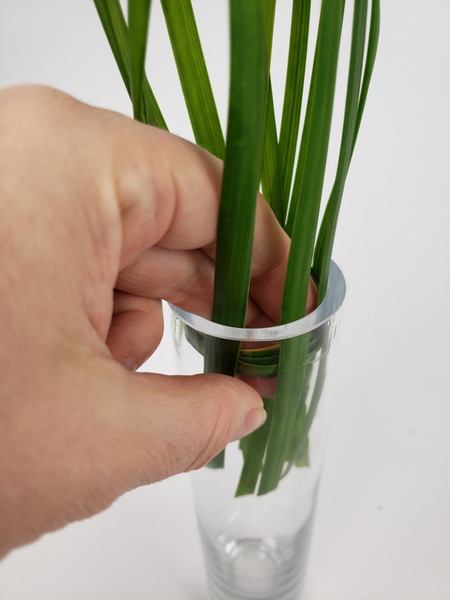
x: 92, y: 202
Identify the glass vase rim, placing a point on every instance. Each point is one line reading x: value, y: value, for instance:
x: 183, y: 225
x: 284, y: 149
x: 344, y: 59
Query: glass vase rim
x: 323, y: 313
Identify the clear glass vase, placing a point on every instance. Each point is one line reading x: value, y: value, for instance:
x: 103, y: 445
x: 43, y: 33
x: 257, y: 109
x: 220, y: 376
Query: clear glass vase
x: 255, y: 502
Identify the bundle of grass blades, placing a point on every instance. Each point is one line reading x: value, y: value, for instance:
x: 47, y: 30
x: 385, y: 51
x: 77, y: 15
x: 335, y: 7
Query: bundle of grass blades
x: 288, y: 164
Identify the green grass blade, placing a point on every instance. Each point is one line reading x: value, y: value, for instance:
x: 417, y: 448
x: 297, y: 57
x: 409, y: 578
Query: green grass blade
x: 138, y: 16
x: 325, y: 241
x: 314, y: 147
x: 115, y: 27
x: 290, y: 382
x: 271, y: 178
x: 220, y: 356
x: 116, y: 30
x: 293, y: 94
x: 301, y: 163
x: 315, y: 141
x: 242, y: 163
x: 374, y: 32
x: 372, y: 47
x: 270, y: 20
x: 254, y: 447
x: 239, y: 184
x: 152, y: 112
x: 193, y: 75
x: 311, y: 413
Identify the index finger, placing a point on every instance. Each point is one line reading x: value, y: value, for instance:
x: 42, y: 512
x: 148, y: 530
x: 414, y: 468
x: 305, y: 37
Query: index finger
x: 169, y: 191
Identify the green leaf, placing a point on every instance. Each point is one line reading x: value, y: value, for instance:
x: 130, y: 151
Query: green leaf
x: 309, y: 183
x: 299, y: 449
x: 307, y: 193
x: 193, y: 75
x: 352, y: 117
x: 116, y: 30
x: 220, y: 356
x: 270, y: 20
x: 293, y: 93
x: 115, y: 27
x: 271, y: 181
x: 239, y: 184
x: 290, y: 382
x: 372, y: 47
x: 242, y: 163
x: 138, y: 16
x: 253, y: 448
x: 271, y: 178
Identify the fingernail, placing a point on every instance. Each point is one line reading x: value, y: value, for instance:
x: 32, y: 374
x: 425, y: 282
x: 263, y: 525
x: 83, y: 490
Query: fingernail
x: 130, y: 363
x: 253, y: 419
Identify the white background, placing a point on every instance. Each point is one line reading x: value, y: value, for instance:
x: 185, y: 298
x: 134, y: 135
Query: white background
x: 383, y: 526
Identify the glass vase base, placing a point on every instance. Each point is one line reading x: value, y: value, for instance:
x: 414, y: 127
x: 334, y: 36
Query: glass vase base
x: 267, y: 568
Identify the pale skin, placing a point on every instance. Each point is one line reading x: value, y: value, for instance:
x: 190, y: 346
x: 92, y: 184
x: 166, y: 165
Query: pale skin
x: 101, y: 218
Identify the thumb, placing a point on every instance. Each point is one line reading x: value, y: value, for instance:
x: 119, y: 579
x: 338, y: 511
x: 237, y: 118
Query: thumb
x: 99, y: 431
x: 184, y: 421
